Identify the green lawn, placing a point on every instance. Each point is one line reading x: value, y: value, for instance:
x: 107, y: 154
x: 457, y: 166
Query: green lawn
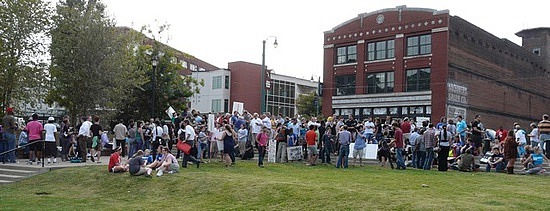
x: 290, y: 186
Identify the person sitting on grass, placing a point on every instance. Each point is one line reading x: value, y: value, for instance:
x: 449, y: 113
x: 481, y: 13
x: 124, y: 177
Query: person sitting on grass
x: 360, y: 144
x: 466, y: 161
x: 137, y: 165
x: 157, y: 162
x: 526, y: 164
x: 537, y: 158
x: 115, y: 163
x: 496, y: 161
x: 169, y: 163
x: 147, y: 157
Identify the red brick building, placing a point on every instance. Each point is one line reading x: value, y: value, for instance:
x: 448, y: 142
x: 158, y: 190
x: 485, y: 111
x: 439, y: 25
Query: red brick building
x: 425, y: 63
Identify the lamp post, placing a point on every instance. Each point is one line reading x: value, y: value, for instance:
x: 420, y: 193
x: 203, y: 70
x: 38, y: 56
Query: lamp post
x: 154, y: 62
x: 318, y: 94
x: 263, y: 74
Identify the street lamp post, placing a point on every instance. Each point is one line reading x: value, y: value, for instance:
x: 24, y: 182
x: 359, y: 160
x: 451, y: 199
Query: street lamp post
x: 318, y: 94
x: 154, y: 62
x: 262, y: 75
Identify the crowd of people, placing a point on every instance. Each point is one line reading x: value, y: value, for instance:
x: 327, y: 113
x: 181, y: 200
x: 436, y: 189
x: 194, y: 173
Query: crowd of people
x: 146, y: 146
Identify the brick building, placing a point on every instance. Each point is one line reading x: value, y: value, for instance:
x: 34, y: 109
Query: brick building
x: 424, y: 63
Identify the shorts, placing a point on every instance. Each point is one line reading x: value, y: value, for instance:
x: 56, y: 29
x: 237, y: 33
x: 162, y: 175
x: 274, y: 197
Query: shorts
x: 174, y: 167
x: 312, y: 150
x: 358, y: 152
x: 88, y: 141
x: 35, y: 147
x: 51, y: 149
x: 220, y: 145
x: 96, y: 143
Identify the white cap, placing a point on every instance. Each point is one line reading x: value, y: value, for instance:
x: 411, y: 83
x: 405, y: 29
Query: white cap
x: 51, y: 118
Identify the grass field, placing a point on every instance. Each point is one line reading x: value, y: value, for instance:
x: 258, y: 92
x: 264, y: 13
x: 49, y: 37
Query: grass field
x: 290, y: 186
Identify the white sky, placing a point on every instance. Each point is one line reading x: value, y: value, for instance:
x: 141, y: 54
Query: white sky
x: 222, y: 31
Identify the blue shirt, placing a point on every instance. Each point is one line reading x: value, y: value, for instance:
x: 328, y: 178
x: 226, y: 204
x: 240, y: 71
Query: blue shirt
x: 537, y: 159
x: 461, y: 127
x: 360, y: 141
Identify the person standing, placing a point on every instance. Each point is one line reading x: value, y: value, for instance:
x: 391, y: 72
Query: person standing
x: 344, y: 138
x: 399, y: 146
x: 8, y: 133
x: 477, y: 131
x: 34, y: 129
x: 311, y: 137
x: 369, y: 131
x: 534, y: 135
x: 261, y: 140
x: 461, y: 128
x: 281, y: 139
x: 97, y: 147
x: 521, y: 139
x: 228, y: 137
x: 243, y: 138
x: 510, y: 151
x: 51, y: 148
x: 359, y: 147
x: 189, y: 139
x: 84, y: 138
x: 256, y: 124
x: 429, y: 143
x: 65, y: 139
x: 326, y: 149
x: 121, y: 132
x: 157, y: 137
x: 444, y: 139
x: 406, y: 128
x: 544, y: 133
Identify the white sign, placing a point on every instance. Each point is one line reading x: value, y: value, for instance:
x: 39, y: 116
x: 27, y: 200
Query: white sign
x: 453, y: 111
x: 457, y: 93
x: 420, y: 119
x: 294, y: 153
x: 272, y: 151
x: 238, y: 106
x: 369, y: 152
x: 170, y: 111
x: 211, y: 122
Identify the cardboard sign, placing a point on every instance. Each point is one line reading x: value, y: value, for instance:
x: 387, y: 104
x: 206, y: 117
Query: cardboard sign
x: 294, y: 153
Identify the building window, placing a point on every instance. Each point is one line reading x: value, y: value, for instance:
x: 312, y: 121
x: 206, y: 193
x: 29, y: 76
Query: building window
x: 217, y: 82
x: 418, y: 80
x: 216, y: 105
x: 225, y: 105
x: 227, y: 82
x: 193, y: 67
x: 344, y: 85
x: 380, y: 83
x: 536, y: 51
x: 419, y: 45
x: 183, y: 64
x: 381, y: 50
x: 346, y: 54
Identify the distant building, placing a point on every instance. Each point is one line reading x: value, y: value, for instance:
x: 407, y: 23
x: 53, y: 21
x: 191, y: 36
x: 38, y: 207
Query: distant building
x: 424, y: 63
x: 241, y: 83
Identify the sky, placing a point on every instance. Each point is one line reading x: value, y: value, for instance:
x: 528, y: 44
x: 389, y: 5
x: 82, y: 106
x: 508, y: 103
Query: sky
x: 223, y: 31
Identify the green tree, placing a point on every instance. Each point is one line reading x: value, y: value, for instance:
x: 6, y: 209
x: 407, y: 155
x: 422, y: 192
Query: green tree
x: 23, y: 33
x: 92, y: 60
x: 171, y: 87
x: 306, y: 104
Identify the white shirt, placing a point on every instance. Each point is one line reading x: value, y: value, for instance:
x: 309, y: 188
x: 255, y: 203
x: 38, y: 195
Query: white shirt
x: 190, y: 132
x: 85, y: 129
x: 520, y: 136
x: 534, y: 135
x: 50, y: 130
x: 256, y: 125
x: 157, y: 132
x: 369, y: 127
x: 267, y: 122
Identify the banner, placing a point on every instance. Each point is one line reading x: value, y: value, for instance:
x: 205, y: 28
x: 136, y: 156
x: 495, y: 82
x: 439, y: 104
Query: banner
x: 294, y: 153
x: 271, y: 151
x: 211, y: 122
x: 370, y: 152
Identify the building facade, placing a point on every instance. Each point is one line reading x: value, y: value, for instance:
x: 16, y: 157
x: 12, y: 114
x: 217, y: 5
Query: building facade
x: 426, y: 64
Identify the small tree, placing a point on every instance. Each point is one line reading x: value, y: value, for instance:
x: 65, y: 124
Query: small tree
x: 308, y: 104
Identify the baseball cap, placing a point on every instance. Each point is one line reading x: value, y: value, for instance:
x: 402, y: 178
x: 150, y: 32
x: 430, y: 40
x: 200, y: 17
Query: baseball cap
x: 51, y: 118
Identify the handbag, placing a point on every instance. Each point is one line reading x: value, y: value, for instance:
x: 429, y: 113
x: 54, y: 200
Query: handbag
x: 184, y: 147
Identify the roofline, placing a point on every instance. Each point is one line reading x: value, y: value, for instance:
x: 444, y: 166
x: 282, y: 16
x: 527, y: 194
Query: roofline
x: 520, y: 33
x: 398, y: 8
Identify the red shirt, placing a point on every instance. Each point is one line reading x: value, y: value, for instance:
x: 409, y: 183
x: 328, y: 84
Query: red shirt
x: 114, y: 160
x: 398, y: 138
x: 262, y: 139
x: 311, y: 136
x: 406, y: 127
x: 501, y: 135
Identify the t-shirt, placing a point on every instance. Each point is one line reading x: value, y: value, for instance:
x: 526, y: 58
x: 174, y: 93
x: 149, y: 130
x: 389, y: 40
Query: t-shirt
x: 84, y: 129
x: 50, y: 132
x: 476, y: 124
x: 406, y: 127
x: 344, y: 137
x: 95, y: 128
x: 262, y: 139
x: 369, y: 127
x: 256, y: 125
x: 190, y: 131
x: 243, y: 135
x: 311, y: 136
x: 461, y: 128
x: 120, y: 131
x: 398, y: 134
x: 360, y: 141
x: 496, y: 157
x: 8, y: 124
x: 114, y: 160
x: 520, y: 136
x: 537, y: 159
x: 534, y: 135
x: 170, y: 157
x: 34, y: 129
x: 135, y: 164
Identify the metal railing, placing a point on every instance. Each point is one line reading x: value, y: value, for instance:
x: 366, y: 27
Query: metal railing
x: 4, y: 154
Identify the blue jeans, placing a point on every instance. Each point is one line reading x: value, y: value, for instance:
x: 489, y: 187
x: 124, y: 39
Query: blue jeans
x: 343, y: 156
x: 420, y: 159
x: 429, y: 158
x: 369, y: 138
x: 414, y: 157
x: 261, y: 155
x: 326, y: 154
x: 400, y: 160
x: 9, y: 138
x: 200, y: 148
x: 498, y: 167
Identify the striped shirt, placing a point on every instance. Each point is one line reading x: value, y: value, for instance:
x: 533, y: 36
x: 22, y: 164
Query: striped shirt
x: 544, y: 127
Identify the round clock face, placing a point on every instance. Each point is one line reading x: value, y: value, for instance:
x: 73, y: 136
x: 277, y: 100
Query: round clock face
x: 380, y: 19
